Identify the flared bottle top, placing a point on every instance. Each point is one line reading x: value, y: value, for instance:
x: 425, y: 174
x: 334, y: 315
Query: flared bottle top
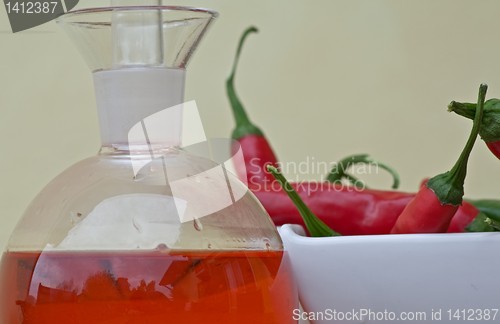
x: 135, y: 36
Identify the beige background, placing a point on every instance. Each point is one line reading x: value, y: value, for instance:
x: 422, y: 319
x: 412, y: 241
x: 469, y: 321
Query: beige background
x: 324, y: 79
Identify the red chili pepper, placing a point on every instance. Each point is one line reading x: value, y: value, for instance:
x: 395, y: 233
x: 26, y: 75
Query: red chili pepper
x: 348, y: 210
x: 463, y: 218
x: 435, y: 204
x: 345, y: 209
x: 490, y: 128
x: 257, y: 151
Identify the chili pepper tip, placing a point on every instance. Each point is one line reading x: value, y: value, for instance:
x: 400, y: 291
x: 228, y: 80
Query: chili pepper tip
x: 271, y: 168
x: 451, y: 105
x: 243, y: 124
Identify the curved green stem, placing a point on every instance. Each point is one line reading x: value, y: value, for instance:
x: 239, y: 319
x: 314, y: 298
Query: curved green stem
x: 340, y: 170
x: 243, y: 124
x: 314, y: 225
x: 354, y: 181
x: 460, y: 167
x: 449, y: 186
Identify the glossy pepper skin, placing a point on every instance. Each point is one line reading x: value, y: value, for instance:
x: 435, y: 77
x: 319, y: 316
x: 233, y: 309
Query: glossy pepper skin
x: 425, y: 214
x: 350, y: 211
x: 490, y: 128
x: 257, y: 154
x: 464, y: 216
x: 256, y: 150
x: 437, y: 201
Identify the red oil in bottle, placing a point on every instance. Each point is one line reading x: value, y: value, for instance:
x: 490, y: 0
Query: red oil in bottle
x: 146, y: 287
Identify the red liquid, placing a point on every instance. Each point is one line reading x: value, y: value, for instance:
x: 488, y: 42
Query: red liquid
x: 146, y: 287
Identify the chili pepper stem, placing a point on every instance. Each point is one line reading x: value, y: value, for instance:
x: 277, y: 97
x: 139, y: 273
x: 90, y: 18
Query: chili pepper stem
x: 243, y: 124
x: 463, y: 108
x: 449, y: 186
x: 314, y: 225
x: 490, y: 128
x: 340, y: 170
x: 353, y: 180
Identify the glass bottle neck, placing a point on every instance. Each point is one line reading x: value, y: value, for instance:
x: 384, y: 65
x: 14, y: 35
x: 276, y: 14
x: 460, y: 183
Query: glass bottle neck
x: 133, y: 107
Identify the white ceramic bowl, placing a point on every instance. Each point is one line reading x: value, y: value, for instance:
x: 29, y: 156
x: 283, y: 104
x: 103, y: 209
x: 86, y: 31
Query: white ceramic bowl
x: 392, y: 278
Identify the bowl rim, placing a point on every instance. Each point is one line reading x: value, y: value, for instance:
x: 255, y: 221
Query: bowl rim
x: 297, y: 234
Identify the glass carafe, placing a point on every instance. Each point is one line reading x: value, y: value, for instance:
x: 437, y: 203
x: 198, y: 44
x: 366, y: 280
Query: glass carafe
x: 149, y: 230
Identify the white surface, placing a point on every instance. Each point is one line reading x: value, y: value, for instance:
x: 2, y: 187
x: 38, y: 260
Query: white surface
x: 397, y: 273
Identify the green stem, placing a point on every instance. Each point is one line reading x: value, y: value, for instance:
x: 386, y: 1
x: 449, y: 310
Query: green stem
x: 243, y: 124
x: 314, y: 225
x: 354, y: 181
x: 490, y: 128
x: 459, y: 170
x: 449, y: 186
x: 465, y: 109
x: 340, y: 170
